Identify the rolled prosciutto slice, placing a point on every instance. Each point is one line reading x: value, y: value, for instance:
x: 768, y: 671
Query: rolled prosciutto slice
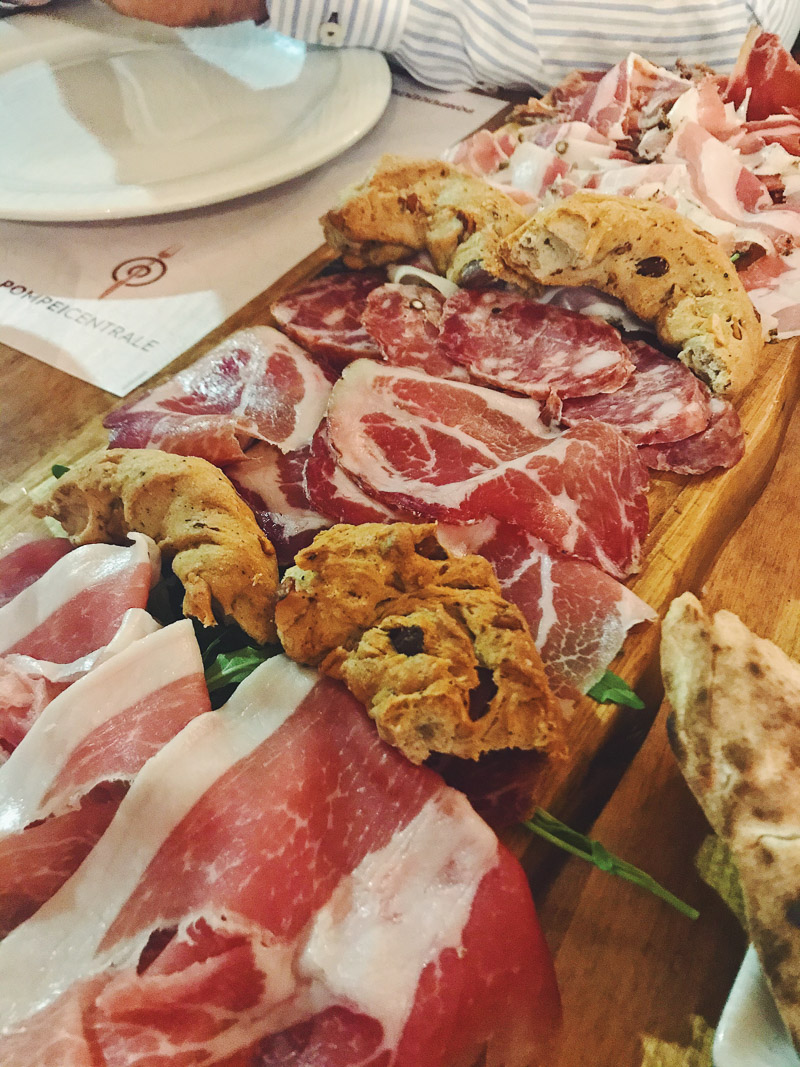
x: 281, y: 887
x: 62, y: 784
x: 578, y: 615
x: 256, y: 384
x: 458, y: 452
x: 661, y: 401
x: 273, y: 484
x: 325, y: 316
x: 516, y: 343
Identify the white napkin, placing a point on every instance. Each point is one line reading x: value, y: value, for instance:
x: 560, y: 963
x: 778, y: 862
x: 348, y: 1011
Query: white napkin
x: 112, y: 303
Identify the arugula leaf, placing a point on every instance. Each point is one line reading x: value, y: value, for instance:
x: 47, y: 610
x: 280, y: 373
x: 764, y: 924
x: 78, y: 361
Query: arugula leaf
x: 231, y: 668
x: 58, y: 470
x: 558, y: 833
x: 611, y: 689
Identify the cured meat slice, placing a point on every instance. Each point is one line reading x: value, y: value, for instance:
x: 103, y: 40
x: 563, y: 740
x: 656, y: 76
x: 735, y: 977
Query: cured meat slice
x: 516, y: 343
x: 273, y: 484
x: 404, y: 320
x: 458, y: 452
x: 335, y: 494
x: 78, y: 604
x: 325, y: 316
x: 256, y: 384
x: 26, y: 559
x: 55, y: 799
x: 721, y: 444
x: 276, y: 884
x: 661, y: 401
x: 27, y: 685
x: 578, y: 615
x: 766, y: 75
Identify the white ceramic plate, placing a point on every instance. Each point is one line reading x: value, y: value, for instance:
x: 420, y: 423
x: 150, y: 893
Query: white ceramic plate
x: 106, y: 117
x: 750, y: 1031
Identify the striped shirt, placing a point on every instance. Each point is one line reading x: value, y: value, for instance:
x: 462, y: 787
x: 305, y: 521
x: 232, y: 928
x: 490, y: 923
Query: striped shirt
x: 521, y: 44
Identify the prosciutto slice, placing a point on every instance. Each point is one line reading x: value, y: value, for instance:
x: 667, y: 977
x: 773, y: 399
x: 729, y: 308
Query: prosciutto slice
x: 578, y: 615
x: 61, y: 785
x: 404, y: 321
x: 661, y: 401
x: 26, y: 559
x: 280, y: 887
x: 766, y: 75
x: 509, y: 340
x: 721, y: 444
x: 273, y: 484
x: 85, y: 607
x: 457, y: 452
x: 256, y: 384
x: 325, y: 316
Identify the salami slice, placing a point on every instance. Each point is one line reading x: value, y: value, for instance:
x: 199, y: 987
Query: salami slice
x: 325, y: 316
x: 661, y: 401
x: 272, y: 484
x: 333, y: 493
x: 721, y: 444
x: 515, y: 343
x: 404, y: 321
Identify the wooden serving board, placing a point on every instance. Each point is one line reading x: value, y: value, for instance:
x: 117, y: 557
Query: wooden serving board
x: 691, y: 517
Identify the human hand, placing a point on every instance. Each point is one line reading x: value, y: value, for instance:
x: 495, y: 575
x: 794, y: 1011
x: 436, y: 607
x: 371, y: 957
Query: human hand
x: 192, y: 12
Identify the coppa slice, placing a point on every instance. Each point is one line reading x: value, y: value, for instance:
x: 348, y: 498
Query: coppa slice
x: 516, y: 343
x: 194, y: 932
x: 55, y: 799
x: 273, y: 485
x: 325, y: 316
x: 661, y: 401
x: 578, y: 615
x: 720, y: 444
x: 335, y: 494
x: 405, y: 321
x: 459, y: 452
x: 257, y: 383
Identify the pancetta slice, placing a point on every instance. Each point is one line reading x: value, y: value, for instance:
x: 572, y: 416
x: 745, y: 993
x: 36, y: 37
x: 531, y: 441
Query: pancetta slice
x: 273, y: 484
x: 661, y: 401
x: 578, y: 615
x: 721, y: 444
x: 325, y: 316
x: 404, y: 321
x: 281, y: 887
x: 516, y: 343
x: 60, y: 786
x: 458, y: 452
x: 256, y: 384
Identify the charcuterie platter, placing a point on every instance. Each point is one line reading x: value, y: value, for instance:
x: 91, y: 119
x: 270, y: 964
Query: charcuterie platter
x: 459, y: 458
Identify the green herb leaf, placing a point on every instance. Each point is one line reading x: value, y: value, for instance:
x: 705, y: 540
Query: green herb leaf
x: 558, y: 833
x: 231, y: 668
x: 735, y: 256
x: 611, y: 689
x: 58, y: 470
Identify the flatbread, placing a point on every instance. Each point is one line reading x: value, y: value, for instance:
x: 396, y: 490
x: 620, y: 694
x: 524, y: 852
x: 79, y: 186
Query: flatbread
x: 736, y: 703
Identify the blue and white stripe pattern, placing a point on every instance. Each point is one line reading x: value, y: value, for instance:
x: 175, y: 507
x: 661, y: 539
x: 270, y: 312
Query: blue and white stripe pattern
x: 458, y: 44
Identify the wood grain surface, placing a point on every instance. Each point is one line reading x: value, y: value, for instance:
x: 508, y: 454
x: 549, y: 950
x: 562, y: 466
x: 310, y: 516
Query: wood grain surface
x: 641, y: 984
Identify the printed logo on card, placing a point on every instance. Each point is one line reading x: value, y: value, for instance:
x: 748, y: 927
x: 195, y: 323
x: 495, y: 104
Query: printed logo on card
x: 141, y: 270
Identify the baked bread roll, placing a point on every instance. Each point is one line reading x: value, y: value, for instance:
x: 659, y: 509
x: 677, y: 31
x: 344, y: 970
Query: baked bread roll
x: 736, y: 703
x: 665, y: 269
x: 408, y: 205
